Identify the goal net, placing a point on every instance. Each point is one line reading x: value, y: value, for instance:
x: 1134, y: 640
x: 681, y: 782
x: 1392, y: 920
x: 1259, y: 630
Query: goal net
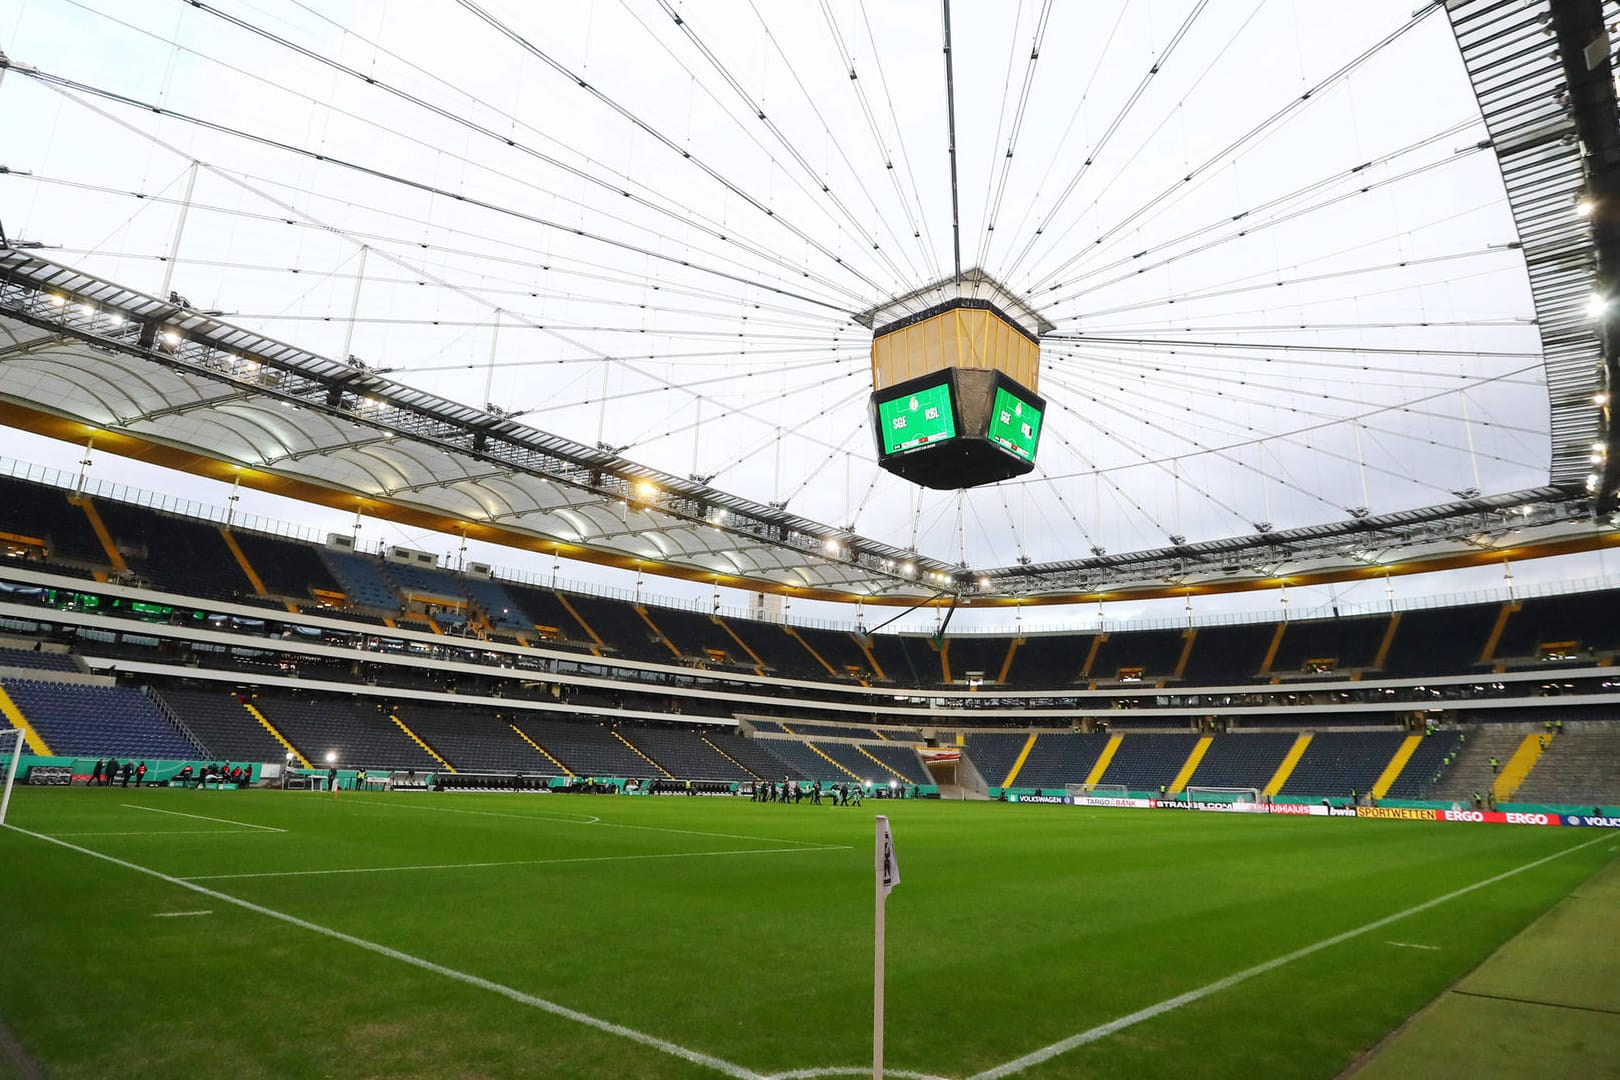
x: 1097, y: 791
x: 11, y: 752
x: 1223, y: 794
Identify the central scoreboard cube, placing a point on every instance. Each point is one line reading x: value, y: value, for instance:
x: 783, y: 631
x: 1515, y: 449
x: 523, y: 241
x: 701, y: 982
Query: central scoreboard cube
x: 955, y: 368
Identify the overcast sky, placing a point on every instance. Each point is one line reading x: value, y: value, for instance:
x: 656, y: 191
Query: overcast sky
x: 1307, y: 302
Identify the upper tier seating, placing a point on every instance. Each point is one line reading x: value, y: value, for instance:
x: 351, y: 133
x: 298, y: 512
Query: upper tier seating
x: 226, y: 729
x: 46, y: 514
x: 828, y: 731
x: 897, y: 663
x: 360, y: 735
x: 1426, y: 762
x: 547, y: 610
x: 362, y: 579
x: 1438, y: 641
x: 993, y: 754
x: 474, y: 740
x: 684, y: 754
x: 977, y: 653
x: 622, y: 627
x: 37, y: 660
x: 1059, y: 758
x: 783, y: 655
x: 1352, y: 643
x: 842, y: 653
x: 1048, y: 661
x: 285, y: 567
x: 1154, y: 653
x: 586, y: 747
x: 499, y: 606
x: 749, y: 753
x: 92, y: 721
x: 1228, y: 655
x: 175, y: 554
x: 1245, y: 759
x: 1339, y: 762
x: 422, y: 583
x: 1144, y: 762
x: 699, y: 637
x: 1586, y: 619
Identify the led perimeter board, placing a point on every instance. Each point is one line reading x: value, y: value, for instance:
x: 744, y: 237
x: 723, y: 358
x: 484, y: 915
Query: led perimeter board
x: 957, y: 428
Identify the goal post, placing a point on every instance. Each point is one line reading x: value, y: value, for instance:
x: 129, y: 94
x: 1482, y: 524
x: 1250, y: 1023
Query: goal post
x: 1223, y: 794
x: 1096, y: 791
x: 11, y: 752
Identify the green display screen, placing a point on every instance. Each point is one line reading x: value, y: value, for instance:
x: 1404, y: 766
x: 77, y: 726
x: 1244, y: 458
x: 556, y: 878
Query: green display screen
x: 916, y: 419
x: 1015, y: 424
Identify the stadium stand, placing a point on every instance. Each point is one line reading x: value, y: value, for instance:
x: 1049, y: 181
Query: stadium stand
x: 174, y: 553
x: 585, y: 748
x: 552, y: 621
x: 851, y: 758
x: 74, y: 719
x: 1144, y: 762
x: 474, y: 740
x: 1246, y: 759
x: 699, y: 637
x: 1424, y: 768
x: 783, y: 654
x: 843, y: 654
x: 1339, y: 762
x: 46, y: 514
x: 685, y: 754
x: 972, y: 653
x: 1228, y: 655
x: 797, y: 760
x: 218, y: 721
x: 285, y: 567
x: 1580, y: 766
x: 993, y: 753
x: 39, y: 660
x: 1150, y: 654
x: 1060, y: 758
x: 498, y: 605
x: 1471, y: 770
x: 1048, y: 661
x: 622, y: 628
x: 828, y: 731
x: 362, y: 579
x: 895, y: 662
x: 900, y: 760
x: 749, y: 753
x: 1346, y: 644
x: 1437, y: 641
x: 358, y: 734
x: 1581, y: 623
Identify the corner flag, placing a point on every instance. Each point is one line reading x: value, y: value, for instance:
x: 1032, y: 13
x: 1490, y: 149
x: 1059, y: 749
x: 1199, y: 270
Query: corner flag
x: 888, y: 870
x: 888, y: 876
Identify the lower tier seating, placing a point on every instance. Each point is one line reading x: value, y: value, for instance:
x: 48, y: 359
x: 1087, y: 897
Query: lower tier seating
x: 685, y: 754
x: 226, y: 730
x: 89, y: 721
x: 1247, y: 759
x: 585, y: 747
x: 1146, y: 762
x: 473, y: 740
x: 1060, y: 758
x: 359, y: 735
x: 1339, y: 762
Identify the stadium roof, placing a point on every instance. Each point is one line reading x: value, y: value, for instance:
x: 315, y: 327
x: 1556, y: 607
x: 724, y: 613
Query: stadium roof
x: 1253, y: 378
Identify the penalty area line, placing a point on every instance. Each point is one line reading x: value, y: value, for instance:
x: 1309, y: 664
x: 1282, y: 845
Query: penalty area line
x: 1101, y: 1031
x: 202, y: 817
x: 695, y: 1057
x: 514, y: 862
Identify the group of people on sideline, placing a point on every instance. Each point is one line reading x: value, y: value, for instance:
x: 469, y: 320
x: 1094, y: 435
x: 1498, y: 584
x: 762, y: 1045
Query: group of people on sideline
x: 110, y: 771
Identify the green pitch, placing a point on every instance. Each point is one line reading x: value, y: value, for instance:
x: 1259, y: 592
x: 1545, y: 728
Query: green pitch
x: 705, y: 937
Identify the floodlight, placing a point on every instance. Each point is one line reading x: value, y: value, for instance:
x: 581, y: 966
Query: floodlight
x: 1596, y: 305
x: 1584, y: 207
x: 331, y: 756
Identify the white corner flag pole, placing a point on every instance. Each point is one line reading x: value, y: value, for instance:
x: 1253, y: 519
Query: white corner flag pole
x: 887, y: 877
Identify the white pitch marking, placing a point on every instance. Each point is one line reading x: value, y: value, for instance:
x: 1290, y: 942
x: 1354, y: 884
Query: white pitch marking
x: 515, y: 862
x: 596, y: 821
x: 696, y: 1057
x: 817, y: 1074
x: 1409, y: 945
x: 181, y: 914
x: 1046, y: 1053
x: 169, y: 832
x: 202, y: 817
